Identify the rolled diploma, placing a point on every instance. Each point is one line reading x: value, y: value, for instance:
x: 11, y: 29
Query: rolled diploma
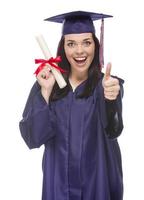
x: 57, y: 74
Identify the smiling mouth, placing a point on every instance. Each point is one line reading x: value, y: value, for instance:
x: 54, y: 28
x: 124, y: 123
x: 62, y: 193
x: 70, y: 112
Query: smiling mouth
x: 80, y: 61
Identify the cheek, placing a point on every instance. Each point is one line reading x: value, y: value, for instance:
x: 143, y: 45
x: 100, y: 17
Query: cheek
x: 91, y: 54
x: 68, y: 54
x: 91, y: 50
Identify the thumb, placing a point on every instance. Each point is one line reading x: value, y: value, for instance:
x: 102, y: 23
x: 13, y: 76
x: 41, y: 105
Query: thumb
x: 108, y: 71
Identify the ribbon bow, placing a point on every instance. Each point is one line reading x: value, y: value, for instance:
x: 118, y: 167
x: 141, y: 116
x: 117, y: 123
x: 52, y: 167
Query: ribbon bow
x: 51, y: 62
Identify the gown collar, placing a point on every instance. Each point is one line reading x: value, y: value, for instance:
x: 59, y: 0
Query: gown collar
x: 79, y: 88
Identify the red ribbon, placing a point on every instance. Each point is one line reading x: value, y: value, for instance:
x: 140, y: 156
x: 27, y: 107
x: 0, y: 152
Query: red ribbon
x: 51, y: 62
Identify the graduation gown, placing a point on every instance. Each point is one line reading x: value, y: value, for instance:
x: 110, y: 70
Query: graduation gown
x: 82, y: 159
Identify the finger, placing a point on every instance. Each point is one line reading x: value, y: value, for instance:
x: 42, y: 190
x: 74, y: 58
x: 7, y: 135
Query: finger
x: 112, y: 89
x: 111, y: 82
x: 43, y: 74
x: 110, y: 97
x: 108, y: 71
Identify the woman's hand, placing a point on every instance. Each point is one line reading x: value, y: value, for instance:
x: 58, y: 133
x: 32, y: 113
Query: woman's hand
x: 111, y: 85
x: 46, y: 80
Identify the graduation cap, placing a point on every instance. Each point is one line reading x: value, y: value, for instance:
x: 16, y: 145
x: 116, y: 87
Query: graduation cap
x: 81, y: 22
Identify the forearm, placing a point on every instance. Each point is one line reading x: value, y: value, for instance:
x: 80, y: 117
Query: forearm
x: 36, y: 125
x: 36, y: 129
x: 114, y: 116
x: 46, y: 94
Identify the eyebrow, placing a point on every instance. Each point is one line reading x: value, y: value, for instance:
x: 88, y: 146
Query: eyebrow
x: 70, y: 40
x: 87, y: 39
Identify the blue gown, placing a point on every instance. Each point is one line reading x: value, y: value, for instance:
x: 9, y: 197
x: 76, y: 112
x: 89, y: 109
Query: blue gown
x: 82, y: 159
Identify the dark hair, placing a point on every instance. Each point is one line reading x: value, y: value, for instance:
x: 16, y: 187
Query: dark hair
x: 93, y: 73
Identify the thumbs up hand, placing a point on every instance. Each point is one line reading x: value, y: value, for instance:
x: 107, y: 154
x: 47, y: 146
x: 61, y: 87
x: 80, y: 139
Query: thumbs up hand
x: 111, y: 85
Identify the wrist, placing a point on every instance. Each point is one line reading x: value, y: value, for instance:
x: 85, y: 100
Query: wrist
x: 46, y: 94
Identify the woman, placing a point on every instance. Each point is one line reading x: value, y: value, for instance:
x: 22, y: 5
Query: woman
x: 80, y: 123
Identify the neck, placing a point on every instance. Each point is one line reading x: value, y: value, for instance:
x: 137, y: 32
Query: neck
x: 79, y: 76
x: 77, y: 79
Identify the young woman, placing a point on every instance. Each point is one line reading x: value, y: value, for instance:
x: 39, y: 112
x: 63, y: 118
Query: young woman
x: 80, y: 123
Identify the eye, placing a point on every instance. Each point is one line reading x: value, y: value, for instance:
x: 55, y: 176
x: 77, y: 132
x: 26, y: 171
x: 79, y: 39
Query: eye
x: 87, y: 43
x: 71, y: 44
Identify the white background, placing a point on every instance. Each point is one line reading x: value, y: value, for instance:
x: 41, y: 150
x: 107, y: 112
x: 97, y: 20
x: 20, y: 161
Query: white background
x: 20, y: 21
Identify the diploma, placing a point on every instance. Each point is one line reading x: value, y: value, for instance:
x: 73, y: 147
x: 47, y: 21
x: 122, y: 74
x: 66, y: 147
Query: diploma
x: 57, y: 74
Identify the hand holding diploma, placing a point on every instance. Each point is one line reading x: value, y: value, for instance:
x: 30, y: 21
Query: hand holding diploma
x: 111, y: 85
x: 49, y: 64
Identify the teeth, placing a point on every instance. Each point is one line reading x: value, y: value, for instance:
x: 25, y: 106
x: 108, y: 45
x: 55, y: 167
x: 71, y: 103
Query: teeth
x: 80, y: 59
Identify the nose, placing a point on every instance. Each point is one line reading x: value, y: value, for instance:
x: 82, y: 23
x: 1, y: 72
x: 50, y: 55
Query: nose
x: 79, y: 49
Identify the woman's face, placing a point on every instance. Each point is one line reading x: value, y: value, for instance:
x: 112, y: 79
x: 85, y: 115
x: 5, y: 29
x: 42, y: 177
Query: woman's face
x: 79, y: 50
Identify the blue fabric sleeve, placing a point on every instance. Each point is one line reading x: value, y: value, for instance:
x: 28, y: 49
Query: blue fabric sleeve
x: 111, y: 113
x: 36, y: 127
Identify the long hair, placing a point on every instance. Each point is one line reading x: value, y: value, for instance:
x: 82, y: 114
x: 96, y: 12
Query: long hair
x: 94, y: 72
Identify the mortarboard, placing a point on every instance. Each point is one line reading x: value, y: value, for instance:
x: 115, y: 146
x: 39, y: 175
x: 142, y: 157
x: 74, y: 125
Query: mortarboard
x: 77, y: 21
x: 81, y: 22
